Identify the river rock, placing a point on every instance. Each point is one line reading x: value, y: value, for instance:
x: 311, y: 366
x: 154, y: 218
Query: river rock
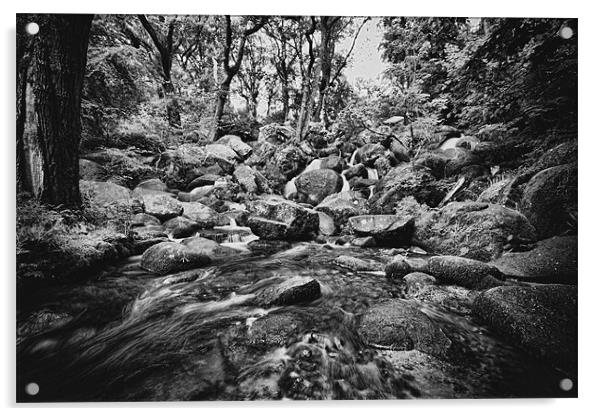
x: 276, y: 134
x: 542, y: 320
x: 144, y: 219
x: 148, y: 232
x: 388, y: 230
x: 333, y: 162
x: 209, y: 248
x: 358, y: 265
x: 245, y: 176
x: 399, y: 324
x: 298, y: 289
x: 317, y: 184
x: 343, y: 205
x: 275, y: 218
x: 181, y: 227
x: 416, y: 281
x: 203, y: 215
x: 470, y: 229
x: 364, y: 242
x: 398, y: 267
x: 153, y: 184
x: 472, y: 274
x: 358, y: 170
x: 221, y: 152
x: 327, y: 224
x: 161, y: 206
x: 171, y: 257
x: 551, y: 261
x: 550, y: 200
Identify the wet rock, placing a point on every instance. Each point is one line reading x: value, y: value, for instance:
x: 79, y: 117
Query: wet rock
x: 144, y: 219
x: 200, y: 192
x: 551, y: 261
x: 364, y: 242
x: 343, y: 205
x: 181, y: 227
x: 299, y: 289
x: 203, y: 215
x: 472, y: 274
x: 242, y: 149
x: 268, y: 246
x: 453, y: 298
x: 327, y: 225
x: 433, y: 161
x: 542, y: 320
x: 283, y: 164
x: 170, y: 257
x: 388, y: 230
x: 153, y: 184
x: 140, y: 246
x: 550, y: 200
x: 403, y: 181
x: 397, y: 268
x: 470, y: 229
x: 148, y: 232
x: 161, y: 206
x: 106, y: 193
x: 209, y: 248
x: 399, y: 324
x: 399, y: 150
x: 203, y: 180
x: 416, y: 281
x: 317, y: 184
x: 275, y: 218
x: 358, y: 265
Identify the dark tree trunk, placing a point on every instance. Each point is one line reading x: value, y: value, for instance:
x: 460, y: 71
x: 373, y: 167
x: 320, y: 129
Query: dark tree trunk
x: 59, y: 63
x: 285, y: 100
x: 23, y: 58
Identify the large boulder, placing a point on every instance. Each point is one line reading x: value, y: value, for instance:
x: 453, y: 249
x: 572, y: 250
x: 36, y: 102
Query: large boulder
x: 399, y: 324
x: 242, y: 149
x: 403, y: 181
x: 245, y: 176
x: 333, y: 162
x: 105, y: 193
x: 388, y: 230
x: 542, y: 320
x: 161, y: 205
x: 171, y: 257
x: 343, y: 205
x: 91, y: 171
x: 317, y: 184
x: 471, y: 229
x: 472, y: 274
x: 205, y: 216
x: 551, y: 261
x: 282, y: 164
x: 153, y: 184
x: 550, y: 200
x: 221, y: 152
x: 275, y: 218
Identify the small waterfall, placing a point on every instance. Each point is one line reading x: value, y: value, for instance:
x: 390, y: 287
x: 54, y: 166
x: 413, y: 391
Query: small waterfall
x: 372, y: 173
x: 232, y: 222
x: 314, y: 165
x: 352, y: 161
x: 346, y: 186
x: 371, y: 187
x: 290, y: 188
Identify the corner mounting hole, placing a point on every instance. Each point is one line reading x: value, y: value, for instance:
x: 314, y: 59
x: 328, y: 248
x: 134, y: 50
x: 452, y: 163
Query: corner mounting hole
x: 566, y: 32
x: 566, y: 384
x: 32, y: 28
x: 32, y: 389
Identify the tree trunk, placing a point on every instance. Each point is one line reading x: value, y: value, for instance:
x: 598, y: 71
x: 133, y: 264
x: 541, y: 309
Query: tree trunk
x: 222, y: 98
x: 23, y: 51
x: 285, y: 101
x: 59, y: 64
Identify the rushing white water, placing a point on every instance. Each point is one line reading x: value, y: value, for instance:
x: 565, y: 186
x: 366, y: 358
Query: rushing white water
x: 450, y: 143
x: 290, y: 188
x: 352, y: 161
x: 346, y: 186
x: 314, y: 165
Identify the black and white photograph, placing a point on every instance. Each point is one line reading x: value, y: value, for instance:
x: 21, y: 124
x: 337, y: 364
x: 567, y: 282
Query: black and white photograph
x: 269, y: 207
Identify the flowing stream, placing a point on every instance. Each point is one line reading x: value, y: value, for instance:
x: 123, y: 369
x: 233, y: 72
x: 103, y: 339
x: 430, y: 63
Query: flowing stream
x: 200, y: 335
